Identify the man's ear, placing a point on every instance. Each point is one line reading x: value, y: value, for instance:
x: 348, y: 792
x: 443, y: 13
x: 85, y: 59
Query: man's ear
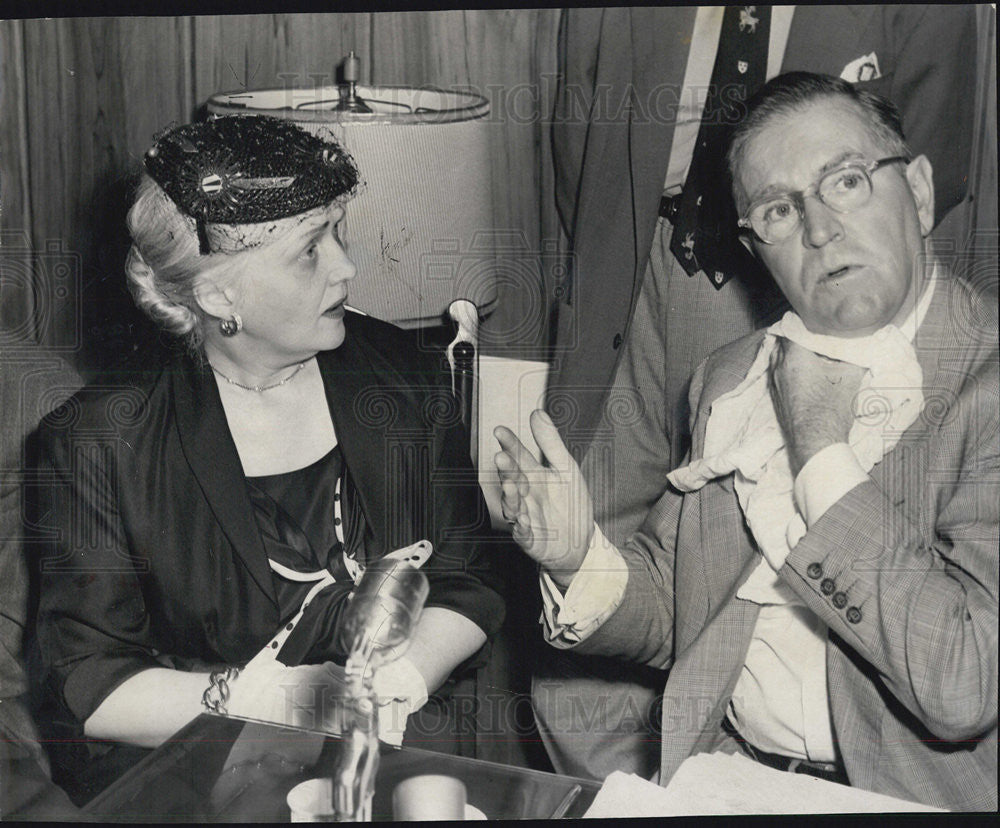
x: 920, y: 177
x: 213, y: 295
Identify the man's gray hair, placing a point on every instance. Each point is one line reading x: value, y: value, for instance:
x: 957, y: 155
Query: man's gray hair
x: 793, y: 91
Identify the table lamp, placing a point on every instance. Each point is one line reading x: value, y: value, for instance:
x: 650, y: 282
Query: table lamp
x: 421, y: 230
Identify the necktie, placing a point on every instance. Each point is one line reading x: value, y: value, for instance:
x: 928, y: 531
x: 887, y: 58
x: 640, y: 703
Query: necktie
x: 704, y: 235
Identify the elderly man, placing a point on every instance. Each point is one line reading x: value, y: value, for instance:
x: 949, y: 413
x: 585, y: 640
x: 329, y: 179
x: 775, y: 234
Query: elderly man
x: 633, y: 142
x: 821, y: 576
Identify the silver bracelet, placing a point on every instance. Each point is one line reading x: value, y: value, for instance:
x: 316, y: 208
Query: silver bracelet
x: 216, y: 695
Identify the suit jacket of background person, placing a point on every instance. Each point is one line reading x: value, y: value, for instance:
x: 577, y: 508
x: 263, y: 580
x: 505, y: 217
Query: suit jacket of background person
x: 150, y: 550
x: 33, y: 381
x: 913, y: 683
x: 622, y: 72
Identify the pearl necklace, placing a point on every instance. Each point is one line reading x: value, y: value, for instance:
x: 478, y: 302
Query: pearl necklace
x: 261, y: 388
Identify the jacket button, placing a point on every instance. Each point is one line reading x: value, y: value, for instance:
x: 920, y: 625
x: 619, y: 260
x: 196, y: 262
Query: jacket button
x: 827, y: 586
x: 853, y: 615
x: 814, y: 571
x: 617, y: 341
x: 839, y: 600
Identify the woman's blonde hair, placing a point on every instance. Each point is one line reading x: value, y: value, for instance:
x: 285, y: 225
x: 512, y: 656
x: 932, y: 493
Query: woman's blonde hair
x: 163, y: 263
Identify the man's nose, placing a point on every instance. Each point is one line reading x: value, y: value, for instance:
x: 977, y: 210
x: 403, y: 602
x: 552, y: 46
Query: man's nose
x: 820, y: 224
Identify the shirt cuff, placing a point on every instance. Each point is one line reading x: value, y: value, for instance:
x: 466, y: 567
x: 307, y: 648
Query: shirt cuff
x: 828, y: 475
x: 596, y: 591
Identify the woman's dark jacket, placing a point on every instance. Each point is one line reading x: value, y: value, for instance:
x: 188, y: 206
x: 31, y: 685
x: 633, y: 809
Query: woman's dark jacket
x: 150, y: 555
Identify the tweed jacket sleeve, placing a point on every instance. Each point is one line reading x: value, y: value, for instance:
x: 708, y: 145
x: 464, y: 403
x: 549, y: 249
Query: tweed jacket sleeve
x: 910, y: 583
x: 642, y: 628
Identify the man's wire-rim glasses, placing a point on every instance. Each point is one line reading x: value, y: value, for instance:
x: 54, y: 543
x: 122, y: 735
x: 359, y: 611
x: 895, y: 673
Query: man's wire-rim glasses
x: 843, y: 189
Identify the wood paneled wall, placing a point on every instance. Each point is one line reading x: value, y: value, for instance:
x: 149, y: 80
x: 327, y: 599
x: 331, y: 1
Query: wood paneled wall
x: 83, y: 97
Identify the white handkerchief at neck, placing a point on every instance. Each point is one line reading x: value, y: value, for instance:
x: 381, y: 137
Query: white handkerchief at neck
x: 742, y: 435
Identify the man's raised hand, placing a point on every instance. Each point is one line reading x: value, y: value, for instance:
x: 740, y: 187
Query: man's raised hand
x: 813, y: 399
x: 547, y: 506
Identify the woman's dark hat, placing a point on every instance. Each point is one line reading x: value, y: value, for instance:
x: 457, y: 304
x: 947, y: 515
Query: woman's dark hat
x: 246, y: 169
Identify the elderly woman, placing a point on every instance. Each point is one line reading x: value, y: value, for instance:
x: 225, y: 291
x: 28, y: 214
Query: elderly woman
x: 224, y: 506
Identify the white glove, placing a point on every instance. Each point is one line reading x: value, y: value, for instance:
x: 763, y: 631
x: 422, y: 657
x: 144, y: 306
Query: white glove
x: 305, y: 696
x: 400, y: 690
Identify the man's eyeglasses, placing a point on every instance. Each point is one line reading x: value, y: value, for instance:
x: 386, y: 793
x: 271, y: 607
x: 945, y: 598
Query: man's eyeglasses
x: 843, y: 189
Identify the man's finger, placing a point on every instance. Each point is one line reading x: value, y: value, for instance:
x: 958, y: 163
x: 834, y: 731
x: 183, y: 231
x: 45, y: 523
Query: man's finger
x: 506, y: 438
x: 520, y: 531
x: 505, y: 464
x: 510, y: 499
x: 510, y: 443
x: 509, y: 514
x: 547, y: 436
x: 509, y: 471
x: 511, y: 494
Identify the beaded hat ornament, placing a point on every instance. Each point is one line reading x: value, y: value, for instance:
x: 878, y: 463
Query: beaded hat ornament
x: 244, y: 180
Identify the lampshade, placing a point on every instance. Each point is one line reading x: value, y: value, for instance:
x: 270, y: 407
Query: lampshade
x: 421, y: 231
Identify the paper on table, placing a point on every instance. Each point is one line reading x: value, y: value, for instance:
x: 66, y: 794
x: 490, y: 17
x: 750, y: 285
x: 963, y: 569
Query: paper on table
x: 509, y: 390
x: 719, y: 783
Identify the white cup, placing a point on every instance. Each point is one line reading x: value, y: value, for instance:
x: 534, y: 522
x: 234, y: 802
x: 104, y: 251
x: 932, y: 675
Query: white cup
x: 429, y: 797
x: 312, y: 801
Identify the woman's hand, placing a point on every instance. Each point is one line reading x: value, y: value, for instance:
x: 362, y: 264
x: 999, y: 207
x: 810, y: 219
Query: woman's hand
x: 302, y: 696
x: 441, y: 640
x: 400, y: 690
x: 548, y: 507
